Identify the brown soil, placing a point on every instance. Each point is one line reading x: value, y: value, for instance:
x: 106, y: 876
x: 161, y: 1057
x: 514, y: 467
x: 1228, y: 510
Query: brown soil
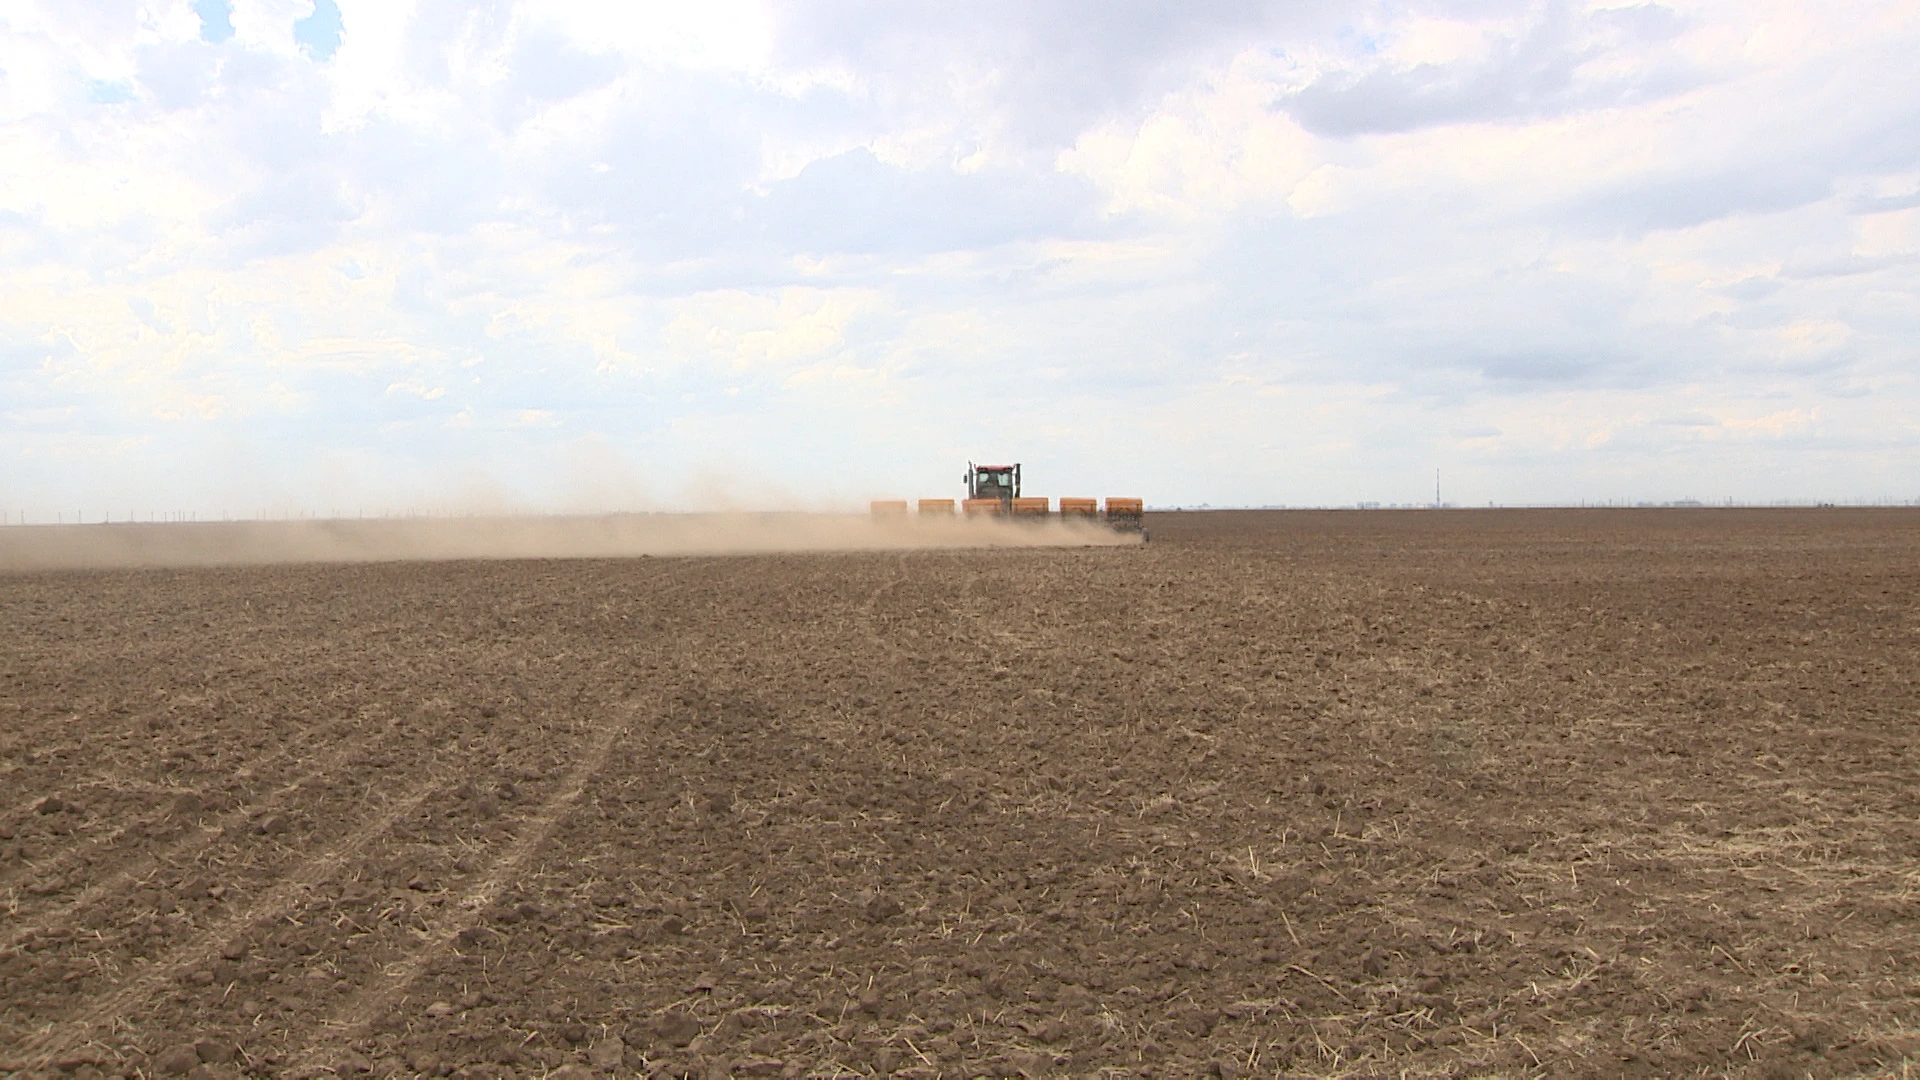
x: 1562, y: 793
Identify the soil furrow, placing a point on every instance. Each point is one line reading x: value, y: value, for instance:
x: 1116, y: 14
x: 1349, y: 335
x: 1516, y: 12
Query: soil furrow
x: 118, y: 879
x: 124, y: 1001
x: 396, y: 978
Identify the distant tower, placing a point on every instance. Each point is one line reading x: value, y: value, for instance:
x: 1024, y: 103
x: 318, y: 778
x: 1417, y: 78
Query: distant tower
x: 1436, y: 489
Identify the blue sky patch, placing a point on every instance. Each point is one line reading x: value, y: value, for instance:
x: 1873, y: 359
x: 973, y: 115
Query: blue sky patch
x: 108, y: 92
x: 319, y: 33
x: 216, y: 19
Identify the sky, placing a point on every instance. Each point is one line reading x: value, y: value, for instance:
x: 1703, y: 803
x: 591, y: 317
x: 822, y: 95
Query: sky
x: 368, y: 256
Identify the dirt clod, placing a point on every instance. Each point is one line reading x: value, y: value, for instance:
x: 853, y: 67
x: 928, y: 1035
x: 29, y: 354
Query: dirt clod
x: 1374, y: 963
x: 607, y: 1054
x: 676, y: 1029
x: 177, y: 1060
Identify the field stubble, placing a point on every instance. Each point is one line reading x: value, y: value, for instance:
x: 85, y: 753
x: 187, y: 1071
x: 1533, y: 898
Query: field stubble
x: 1426, y: 794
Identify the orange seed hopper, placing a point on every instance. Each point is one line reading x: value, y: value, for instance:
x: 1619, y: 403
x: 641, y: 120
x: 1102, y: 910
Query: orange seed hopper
x: 1079, y: 508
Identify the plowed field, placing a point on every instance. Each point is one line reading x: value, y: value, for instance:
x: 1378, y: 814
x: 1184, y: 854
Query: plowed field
x: 1611, y: 793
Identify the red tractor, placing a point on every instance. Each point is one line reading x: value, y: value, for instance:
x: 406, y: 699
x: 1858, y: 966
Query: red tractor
x: 997, y: 484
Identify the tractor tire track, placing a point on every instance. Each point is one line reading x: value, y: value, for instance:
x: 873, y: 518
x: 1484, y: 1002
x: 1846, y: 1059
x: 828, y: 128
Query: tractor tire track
x: 63, y: 862
x: 112, y: 762
x: 109, y: 776
x: 359, y: 1012
x: 865, y: 614
x: 75, y: 1030
x: 181, y: 849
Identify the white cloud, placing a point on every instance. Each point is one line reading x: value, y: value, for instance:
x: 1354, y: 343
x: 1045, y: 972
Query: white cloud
x: 1204, y: 149
x: 1233, y: 253
x: 721, y: 35
x: 419, y: 390
x: 746, y: 330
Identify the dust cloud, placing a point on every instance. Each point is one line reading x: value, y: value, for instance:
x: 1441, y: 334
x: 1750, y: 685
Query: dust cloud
x: 72, y: 547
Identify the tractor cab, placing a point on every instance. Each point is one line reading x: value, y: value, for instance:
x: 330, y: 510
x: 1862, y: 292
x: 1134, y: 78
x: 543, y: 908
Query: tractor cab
x: 1000, y: 482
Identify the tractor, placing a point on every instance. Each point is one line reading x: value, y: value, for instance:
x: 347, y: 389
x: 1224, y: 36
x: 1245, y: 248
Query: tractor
x: 998, y: 483
x: 994, y: 491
